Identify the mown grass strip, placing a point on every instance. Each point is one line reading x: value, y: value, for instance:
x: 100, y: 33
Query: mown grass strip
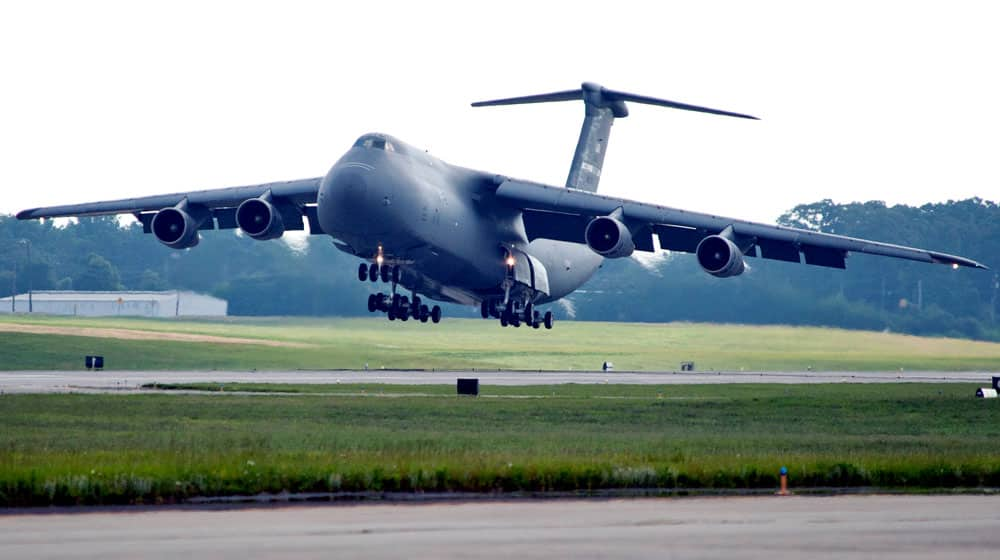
x: 469, y: 344
x: 152, y: 448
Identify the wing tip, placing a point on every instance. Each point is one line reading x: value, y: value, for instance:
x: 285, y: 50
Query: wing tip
x: 26, y: 214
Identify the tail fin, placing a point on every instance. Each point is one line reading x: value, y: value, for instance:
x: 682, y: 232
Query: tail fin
x: 603, y: 106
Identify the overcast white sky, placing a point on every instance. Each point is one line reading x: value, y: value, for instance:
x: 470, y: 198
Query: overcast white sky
x: 896, y: 101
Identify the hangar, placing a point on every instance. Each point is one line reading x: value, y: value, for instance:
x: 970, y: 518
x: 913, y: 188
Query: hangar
x: 99, y: 304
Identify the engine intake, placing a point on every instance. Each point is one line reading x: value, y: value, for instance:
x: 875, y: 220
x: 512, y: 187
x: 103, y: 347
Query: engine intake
x: 259, y: 219
x: 720, y: 257
x: 175, y: 228
x: 609, y: 237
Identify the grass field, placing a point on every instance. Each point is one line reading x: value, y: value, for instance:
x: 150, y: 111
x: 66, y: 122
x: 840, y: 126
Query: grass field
x: 120, y: 448
x: 467, y: 344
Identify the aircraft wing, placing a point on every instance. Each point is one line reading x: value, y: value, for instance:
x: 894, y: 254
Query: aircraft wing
x: 293, y: 199
x: 563, y: 214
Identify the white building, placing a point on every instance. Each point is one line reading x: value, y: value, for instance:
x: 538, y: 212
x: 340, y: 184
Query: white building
x: 97, y: 304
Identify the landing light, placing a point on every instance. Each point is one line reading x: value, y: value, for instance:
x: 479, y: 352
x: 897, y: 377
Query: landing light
x: 954, y: 266
x: 510, y: 260
x: 379, y: 259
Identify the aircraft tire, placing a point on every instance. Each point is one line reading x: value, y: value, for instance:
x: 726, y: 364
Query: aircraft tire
x: 362, y: 272
x: 484, y: 309
x: 548, y: 320
x: 373, y: 272
x: 436, y: 314
x: 372, y: 303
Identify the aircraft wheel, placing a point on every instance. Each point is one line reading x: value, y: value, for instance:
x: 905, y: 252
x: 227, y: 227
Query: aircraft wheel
x: 395, y: 301
x: 384, y: 272
x: 436, y: 314
x: 484, y: 308
x: 391, y: 314
x: 503, y: 320
x: 424, y: 314
x: 373, y: 272
x: 372, y: 303
x: 415, y: 307
x: 362, y: 272
x: 548, y: 320
x: 529, y: 313
x: 535, y: 324
x: 396, y: 273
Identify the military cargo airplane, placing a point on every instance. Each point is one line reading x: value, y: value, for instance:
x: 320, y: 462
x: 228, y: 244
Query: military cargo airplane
x: 447, y: 233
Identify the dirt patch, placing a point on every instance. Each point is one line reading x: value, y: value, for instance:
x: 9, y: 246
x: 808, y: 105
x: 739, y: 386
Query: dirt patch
x: 130, y: 334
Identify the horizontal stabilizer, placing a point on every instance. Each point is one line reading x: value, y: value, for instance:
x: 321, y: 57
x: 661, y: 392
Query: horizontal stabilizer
x: 602, y: 97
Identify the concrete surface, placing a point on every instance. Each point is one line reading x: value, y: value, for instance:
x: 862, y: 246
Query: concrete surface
x: 83, y: 380
x: 885, y: 527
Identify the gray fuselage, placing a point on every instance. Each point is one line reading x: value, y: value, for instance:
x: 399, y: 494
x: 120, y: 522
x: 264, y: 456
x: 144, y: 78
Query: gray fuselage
x: 438, y: 222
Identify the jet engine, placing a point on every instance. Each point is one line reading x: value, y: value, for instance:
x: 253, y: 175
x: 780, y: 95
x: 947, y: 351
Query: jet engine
x: 175, y: 228
x: 720, y: 257
x: 609, y: 237
x: 259, y: 219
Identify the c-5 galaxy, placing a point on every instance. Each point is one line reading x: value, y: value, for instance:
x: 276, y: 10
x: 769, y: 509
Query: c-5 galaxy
x: 447, y: 233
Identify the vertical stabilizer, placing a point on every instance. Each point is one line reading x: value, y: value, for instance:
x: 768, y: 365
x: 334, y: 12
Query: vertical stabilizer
x: 588, y: 160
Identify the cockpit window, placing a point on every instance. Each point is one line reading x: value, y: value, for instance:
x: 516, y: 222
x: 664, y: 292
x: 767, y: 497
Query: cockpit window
x: 376, y: 143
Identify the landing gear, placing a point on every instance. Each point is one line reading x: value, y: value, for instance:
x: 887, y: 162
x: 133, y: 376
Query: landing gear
x: 395, y: 305
x: 514, y: 314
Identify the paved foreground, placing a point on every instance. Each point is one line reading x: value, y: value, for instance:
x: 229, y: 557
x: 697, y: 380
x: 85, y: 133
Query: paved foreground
x: 754, y: 527
x: 109, y: 381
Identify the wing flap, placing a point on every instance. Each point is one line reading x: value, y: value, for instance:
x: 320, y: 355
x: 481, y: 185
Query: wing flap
x: 555, y: 225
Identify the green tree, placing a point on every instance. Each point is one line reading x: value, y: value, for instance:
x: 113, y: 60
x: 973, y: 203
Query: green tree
x: 98, y: 275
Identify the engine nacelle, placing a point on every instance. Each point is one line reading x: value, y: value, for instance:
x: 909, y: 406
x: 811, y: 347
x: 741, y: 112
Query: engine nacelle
x: 720, y: 257
x: 259, y: 219
x: 175, y: 228
x: 609, y: 237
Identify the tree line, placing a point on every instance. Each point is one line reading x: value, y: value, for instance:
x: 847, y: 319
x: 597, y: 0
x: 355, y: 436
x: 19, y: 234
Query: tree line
x: 311, y: 277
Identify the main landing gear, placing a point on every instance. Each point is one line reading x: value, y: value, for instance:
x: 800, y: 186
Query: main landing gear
x: 514, y: 314
x: 394, y: 305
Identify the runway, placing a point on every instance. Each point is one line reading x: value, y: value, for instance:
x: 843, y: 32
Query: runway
x: 910, y: 527
x: 109, y: 380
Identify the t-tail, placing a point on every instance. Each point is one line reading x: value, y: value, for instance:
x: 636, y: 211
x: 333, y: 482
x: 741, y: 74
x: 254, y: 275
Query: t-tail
x: 603, y: 106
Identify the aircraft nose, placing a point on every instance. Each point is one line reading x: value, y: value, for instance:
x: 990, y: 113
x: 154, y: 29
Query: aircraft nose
x: 344, y: 205
x: 352, y: 190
